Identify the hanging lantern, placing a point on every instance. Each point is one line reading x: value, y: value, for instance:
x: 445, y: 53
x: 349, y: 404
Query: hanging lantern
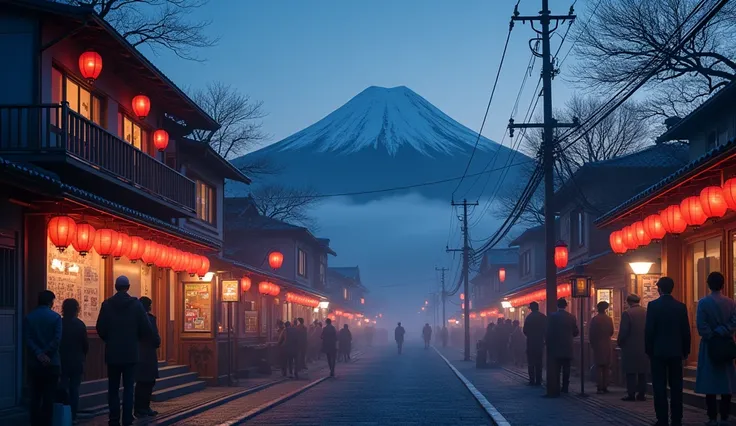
x: 137, y: 247
x: 642, y: 238
x: 122, y: 246
x: 149, y: 252
x: 161, y: 139
x: 194, y: 264
x: 90, y: 65
x: 245, y: 284
x: 141, y: 106
x: 462, y: 296
x: 713, y: 202
x: 84, y: 239
x: 204, y: 266
x: 561, y: 254
x: 106, y: 240
x: 177, y: 260
x: 163, y: 257
x: 653, y: 226
x: 672, y: 220
x: 617, y: 242
x: 275, y: 259
x: 275, y: 290
x: 61, y: 231
x: 692, y: 211
x: 502, y: 274
x: 729, y: 193
x: 630, y: 238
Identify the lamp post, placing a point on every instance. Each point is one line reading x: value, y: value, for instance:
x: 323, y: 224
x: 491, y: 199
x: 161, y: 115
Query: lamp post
x: 580, y: 289
x: 230, y: 290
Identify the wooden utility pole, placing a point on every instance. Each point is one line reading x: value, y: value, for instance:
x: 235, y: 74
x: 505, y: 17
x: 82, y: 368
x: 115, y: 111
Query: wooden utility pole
x: 548, y: 148
x: 443, y: 295
x: 466, y: 268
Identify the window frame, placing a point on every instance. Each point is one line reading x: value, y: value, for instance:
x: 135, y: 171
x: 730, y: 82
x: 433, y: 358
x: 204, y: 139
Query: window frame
x: 98, y: 101
x: 526, y: 262
x: 302, y: 266
x: 212, y: 197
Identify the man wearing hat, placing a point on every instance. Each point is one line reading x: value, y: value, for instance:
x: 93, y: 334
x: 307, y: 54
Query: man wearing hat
x: 561, y: 330
x: 634, y: 360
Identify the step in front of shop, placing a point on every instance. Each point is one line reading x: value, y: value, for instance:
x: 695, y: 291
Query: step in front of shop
x: 174, y: 381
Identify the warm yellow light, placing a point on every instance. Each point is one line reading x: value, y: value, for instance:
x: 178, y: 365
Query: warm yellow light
x: 641, y: 268
x: 506, y: 304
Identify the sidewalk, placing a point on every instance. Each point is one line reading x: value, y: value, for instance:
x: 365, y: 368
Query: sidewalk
x: 506, y: 389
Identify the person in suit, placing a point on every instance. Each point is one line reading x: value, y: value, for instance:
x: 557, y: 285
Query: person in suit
x: 635, y: 363
x: 667, y: 343
x: 329, y: 344
x: 600, y: 334
x: 73, y: 351
x: 561, y: 330
x: 535, y: 330
x: 147, y: 370
x: 399, y: 336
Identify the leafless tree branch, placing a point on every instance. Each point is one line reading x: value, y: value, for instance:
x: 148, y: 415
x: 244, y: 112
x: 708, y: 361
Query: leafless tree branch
x: 288, y: 204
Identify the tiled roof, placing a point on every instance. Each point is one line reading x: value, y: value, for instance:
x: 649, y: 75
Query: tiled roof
x: 503, y: 256
x: 661, y: 155
x: 725, y: 94
x: 351, y: 272
x: 528, y: 233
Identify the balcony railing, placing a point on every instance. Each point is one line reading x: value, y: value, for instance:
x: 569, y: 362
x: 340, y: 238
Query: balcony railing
x: 53, y: 128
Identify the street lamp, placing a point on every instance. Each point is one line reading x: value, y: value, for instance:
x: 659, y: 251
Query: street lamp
x: 641, y: 268
x: 580, y: 288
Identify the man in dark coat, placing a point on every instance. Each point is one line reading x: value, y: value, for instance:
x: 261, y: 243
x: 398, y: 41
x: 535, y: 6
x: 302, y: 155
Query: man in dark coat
x: 303, y: 342
x: 561, y: 330
x: 634, y: 360
x: 427, y: 334
x: 535, y: 330
x: 122, y: 324
x: 667, y: 342
x: 399, y: 336
x: 329, y: 345
x: 289, y: 345
x: 600, y: 334
x: 345, y: 339
x: 147, y: 369
x: 73, y: 351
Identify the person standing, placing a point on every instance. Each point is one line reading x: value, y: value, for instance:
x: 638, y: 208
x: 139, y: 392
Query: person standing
x: 427, y: 334
x: 489, y: 339
x: 561, y: 330
x: 147, y: 369
x: 345, y: 339
x: 303, y: 343
x: 667, y: 343
x: 329, y: 345
x: 122, y: 324
x: 716, y: 319
x: 633, y: 357
x: 599, y: 335
x: 73, y: 352
x: 499, y: 337
x: 43, y: 329
x: 517, y: 344
x: 289, y: 345
x: 399, y: 336
x: 535, y: 330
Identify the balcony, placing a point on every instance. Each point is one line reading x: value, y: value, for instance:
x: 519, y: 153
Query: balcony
x: 50, y: 133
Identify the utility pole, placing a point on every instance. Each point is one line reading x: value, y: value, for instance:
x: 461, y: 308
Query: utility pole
x: 443, y: 294
x: 548, y: 148
x: 466, y: 267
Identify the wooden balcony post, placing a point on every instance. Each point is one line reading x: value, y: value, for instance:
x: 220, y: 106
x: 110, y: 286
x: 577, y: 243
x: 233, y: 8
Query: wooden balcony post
x: 64, y: 124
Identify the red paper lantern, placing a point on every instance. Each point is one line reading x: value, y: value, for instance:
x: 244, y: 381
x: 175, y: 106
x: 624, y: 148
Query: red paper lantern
x: 84, y: 239
x: 502, y: 274
x: 561, y: 254
x: 642, y: 238
x: 269, y: 289
x: 122, y: 246
x: 90, y: 65
x: 713, y: 202
x: 653, y: 226
x: 61, y: 231
x: 164, y: 257
x: 630, y: 238
x: 161, y: 139
x: 175, y: 255
x: 137, y: 247
x: 204, y: 266
x: 617, y: 242
x: 462, y: 296
x: 729, y: 193
x: 245, y: 284
x: 141, y: 106
x: 106, y: 240
x: 149, y: 252
x: 672, y: 220
x: 275, y: 259
x: 193, y: 265
x: 692, y: 211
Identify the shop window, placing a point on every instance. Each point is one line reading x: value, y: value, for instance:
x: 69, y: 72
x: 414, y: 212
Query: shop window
x: 132, y: 132
x: 250, y: 317
x: 205, y: 202
x: 139, y: 274
x: 322, y: 269
x: 345, y: 293
x: 198, y: 307
x: 80, y: 100
x: 72, y: 276
x: 526, y: 263
x: 302, y: 263
x: 706, y: 258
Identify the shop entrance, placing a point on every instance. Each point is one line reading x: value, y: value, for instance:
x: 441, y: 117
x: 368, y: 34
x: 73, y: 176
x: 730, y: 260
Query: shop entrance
x: 8, y: 320
x: 703, y: 257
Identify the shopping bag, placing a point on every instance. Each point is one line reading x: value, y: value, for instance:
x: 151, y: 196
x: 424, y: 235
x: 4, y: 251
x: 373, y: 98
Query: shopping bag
x: 62, y: 415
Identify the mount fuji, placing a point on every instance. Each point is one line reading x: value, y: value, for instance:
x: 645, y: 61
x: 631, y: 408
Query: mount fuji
x: 384, y: 138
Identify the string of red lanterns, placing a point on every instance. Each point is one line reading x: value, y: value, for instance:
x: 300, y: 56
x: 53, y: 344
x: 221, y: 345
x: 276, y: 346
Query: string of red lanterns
x: 302, y: 300
x: 563, y: 290
x: 268, y: 288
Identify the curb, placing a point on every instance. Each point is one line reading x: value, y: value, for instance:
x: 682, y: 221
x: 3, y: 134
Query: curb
x: 496, y: 417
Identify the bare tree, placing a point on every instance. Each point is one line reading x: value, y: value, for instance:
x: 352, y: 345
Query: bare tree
x: 627, y: 39
x: 288, y: 204
x: 158, y: 24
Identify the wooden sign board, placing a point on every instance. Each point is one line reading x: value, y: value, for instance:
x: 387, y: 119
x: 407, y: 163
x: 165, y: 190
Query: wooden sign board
x: 230, y: 291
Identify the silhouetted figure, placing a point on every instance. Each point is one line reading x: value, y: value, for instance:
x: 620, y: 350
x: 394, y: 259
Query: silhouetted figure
x: 43, y: 328
x: 399, y: 336
x: 667, y: 342
x: 561, y: 330
x: 427, y: 335
x: 517, y: 344
x: 634, y: 360
x: 147, y: 369
x: 599, y: 335
x: 73, y: 351
x: 289, y: 342
x: 122, y: 324
x: 500, y: 341
x: 329, y: 345
x: 303, y: 343
x: 344, y: 339
x: 535, y: 330
x: 716, y: 319
x: 489, y: 340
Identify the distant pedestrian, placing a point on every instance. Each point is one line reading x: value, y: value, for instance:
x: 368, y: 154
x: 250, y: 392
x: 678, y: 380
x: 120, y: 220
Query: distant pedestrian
x: 535, y: 330
x: 122, y: 324
x: 427, y: 335
x: 147, y: 370
x: 716, y: 319
x: 345, y: 341
x: 289, y: 344
x: 517, y: 344
x: 73, y: 351
x: 599, y: 335
x: 561, y: 330
x: 489, y: 340
x: 667, y: 342
x: 634, y: 360
x: 399, y: 336
x: 303, y: 344
x: 43, y: 328
x: 329, y: 345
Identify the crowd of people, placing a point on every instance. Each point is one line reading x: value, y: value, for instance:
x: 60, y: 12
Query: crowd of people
x: 503, y: 343
x: 298, y: 344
